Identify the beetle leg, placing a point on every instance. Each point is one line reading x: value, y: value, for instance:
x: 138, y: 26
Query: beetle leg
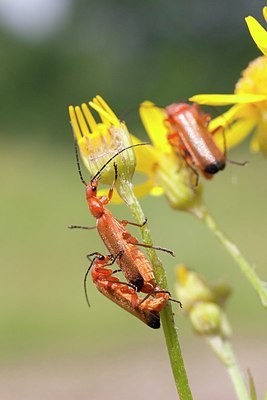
x: 124, y: 222
x: 132, y: 240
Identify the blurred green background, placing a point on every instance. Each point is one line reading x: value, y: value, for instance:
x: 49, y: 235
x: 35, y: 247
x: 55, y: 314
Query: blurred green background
x: 58, y: 53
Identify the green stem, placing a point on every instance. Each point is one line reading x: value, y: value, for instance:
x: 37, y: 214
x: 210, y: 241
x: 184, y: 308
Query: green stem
x: 125, y: 190
x: 223, y: 350
x: 260, y: 286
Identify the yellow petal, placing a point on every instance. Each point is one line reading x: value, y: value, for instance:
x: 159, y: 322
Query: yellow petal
x: 254, y: 144
x: 140, y: 190
x: 103, y: 114
x: 225, y: 99
x: 153, y: 119
x: 116, y: 199
x: 259, y: 141
x: 264, y: 12
x: 146, y: 158
x: 147, y: 187
x: 156, y: 191
x: 74, y: 123
x: 258, y: 33
x: 89, y: 118
x: 226, y: 118
x: 101, y: 102
x: 235, y: 134
x: 82, y: 122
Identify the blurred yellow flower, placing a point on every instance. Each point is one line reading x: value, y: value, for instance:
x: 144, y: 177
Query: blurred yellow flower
x: 249, y: 113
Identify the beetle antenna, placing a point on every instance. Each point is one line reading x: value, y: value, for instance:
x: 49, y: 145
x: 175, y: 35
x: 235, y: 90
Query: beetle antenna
x: 78, y: 163
x: 86, y: 275
x: 241, y: 164
x: 115, y: 155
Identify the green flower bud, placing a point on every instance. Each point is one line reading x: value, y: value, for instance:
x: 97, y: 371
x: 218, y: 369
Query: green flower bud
x: 206, y: 318
x: 191, y: 288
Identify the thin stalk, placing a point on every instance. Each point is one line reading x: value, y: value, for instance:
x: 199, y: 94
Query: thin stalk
x: 201, y: 212
x: 125, y: 190
x: 223, y: 349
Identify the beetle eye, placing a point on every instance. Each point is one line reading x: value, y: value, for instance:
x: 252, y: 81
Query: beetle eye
x: 101, y: 257
x: 93, y: 188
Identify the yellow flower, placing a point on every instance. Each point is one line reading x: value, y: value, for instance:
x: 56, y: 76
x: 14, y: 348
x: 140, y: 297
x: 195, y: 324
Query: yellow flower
x: 258, y: 33
x: 249, y: 113
x: 98, y: 142
x: 165, y: 172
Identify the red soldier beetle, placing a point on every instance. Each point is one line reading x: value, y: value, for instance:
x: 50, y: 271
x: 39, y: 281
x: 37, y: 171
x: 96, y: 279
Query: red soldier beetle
x: 147, y: 309
x: 191, y: 138
x: 135, y: 266
x: 122, y: 293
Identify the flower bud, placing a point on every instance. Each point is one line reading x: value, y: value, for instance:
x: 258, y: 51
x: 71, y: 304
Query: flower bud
x: 202, y: 302
x: 191, y: 288
x: 208, y: 319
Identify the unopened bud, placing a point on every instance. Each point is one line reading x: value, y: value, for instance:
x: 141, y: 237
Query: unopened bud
x: 208, y: 319
x: 191, y: 288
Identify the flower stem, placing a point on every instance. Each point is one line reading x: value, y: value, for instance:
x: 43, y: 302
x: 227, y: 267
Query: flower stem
x: 260, y: 286
x: 125, y: 190
x: 222, y: 348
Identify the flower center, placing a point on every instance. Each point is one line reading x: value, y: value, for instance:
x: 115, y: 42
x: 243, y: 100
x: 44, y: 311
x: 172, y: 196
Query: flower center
x: 254, y: 78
